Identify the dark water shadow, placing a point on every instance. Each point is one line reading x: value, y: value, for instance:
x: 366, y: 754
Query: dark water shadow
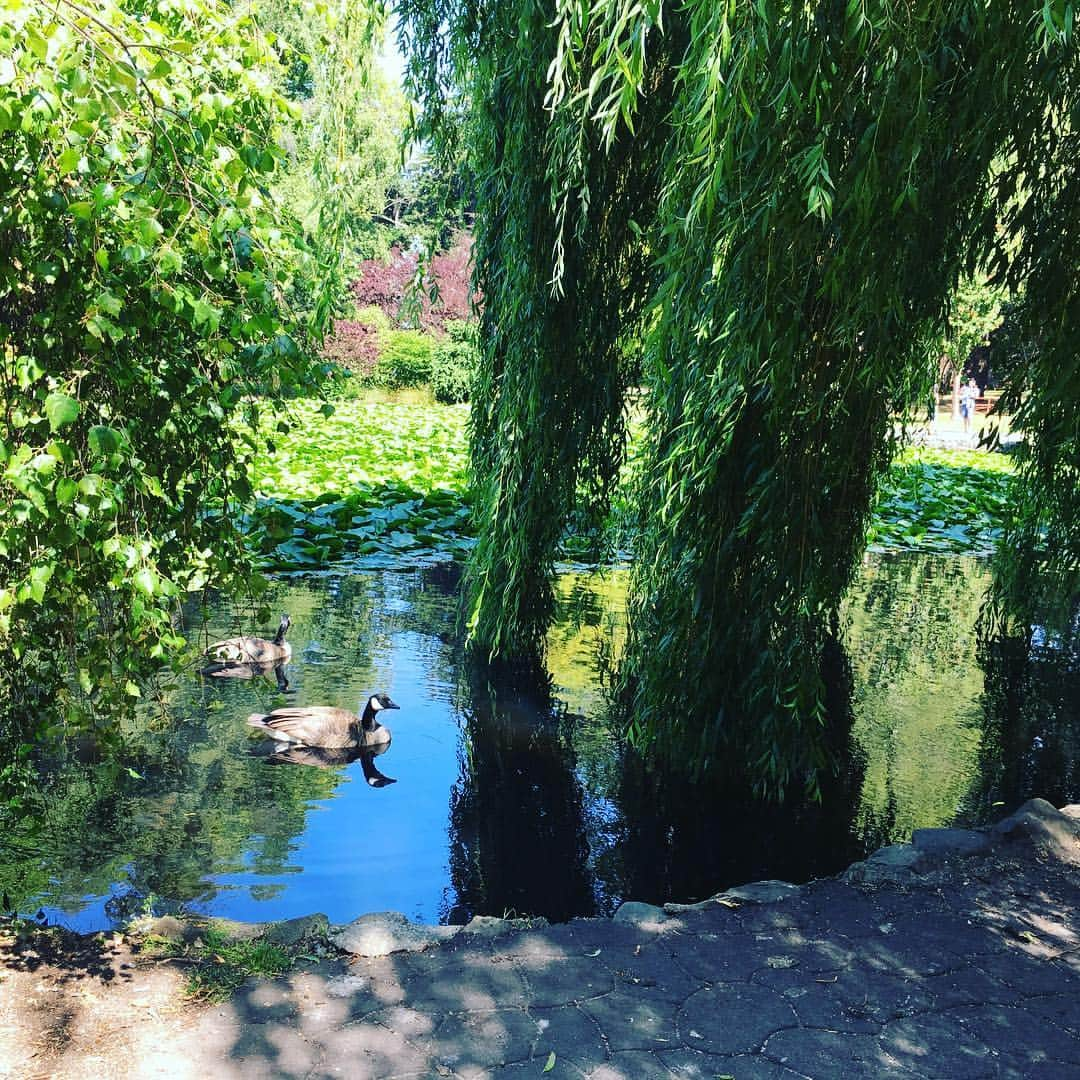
x: 685, y: 838
x: 517, y: 828
x: 1030, y: 717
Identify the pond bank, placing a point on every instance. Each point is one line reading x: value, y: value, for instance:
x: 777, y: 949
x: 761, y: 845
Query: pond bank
x: 958, y: 955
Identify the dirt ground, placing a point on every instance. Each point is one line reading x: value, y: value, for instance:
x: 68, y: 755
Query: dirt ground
x: 85, y: 1007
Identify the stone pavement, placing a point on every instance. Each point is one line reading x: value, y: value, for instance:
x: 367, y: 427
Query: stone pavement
x: 955, y: 957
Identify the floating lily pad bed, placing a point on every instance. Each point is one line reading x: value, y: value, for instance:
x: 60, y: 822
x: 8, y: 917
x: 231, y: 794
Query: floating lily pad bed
x: 943, y: 501
x: 377, y: 483
x: 369, y: 521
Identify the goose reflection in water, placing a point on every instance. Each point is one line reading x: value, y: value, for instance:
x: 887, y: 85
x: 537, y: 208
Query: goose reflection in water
x: 327, y: 757
x: 236, y: 669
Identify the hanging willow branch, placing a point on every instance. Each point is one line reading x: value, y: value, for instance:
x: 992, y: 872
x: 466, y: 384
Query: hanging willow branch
x: 547, y: 423
x: 825, y: 172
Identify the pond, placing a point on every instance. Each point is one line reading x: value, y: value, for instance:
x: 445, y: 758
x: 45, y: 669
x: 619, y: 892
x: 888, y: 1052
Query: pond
x: 491, y: 802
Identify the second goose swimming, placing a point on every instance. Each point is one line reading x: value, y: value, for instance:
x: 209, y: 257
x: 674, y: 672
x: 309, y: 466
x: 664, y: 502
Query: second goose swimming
x: 327, y: 725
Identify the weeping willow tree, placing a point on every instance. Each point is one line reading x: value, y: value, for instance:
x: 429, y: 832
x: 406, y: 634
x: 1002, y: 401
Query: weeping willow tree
x: 547, y: 423
x: 778, y: 199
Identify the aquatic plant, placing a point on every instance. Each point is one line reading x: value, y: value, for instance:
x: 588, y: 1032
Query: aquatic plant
x: 382, y: 479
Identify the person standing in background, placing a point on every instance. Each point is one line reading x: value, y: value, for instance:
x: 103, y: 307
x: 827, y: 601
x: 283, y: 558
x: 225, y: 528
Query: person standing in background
x: 969, y: 394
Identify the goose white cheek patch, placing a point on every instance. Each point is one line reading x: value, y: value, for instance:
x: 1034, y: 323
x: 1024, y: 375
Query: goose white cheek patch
x: 375, y: 706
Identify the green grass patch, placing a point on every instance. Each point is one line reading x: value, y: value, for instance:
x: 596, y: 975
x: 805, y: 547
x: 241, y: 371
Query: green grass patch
x: 220, y: 965
x: 383, y: 479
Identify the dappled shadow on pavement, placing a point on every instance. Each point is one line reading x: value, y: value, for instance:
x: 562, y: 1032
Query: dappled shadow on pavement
x: 975, y: 977
x: 971, y: 971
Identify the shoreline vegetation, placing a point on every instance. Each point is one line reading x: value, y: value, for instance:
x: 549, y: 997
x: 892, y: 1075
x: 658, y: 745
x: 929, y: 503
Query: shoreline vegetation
x: 382, y: 479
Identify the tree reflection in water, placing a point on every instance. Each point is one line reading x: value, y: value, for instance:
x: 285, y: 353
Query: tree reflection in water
x: 517, y: 828
x: 1031, y: 716
x: 686, y: 839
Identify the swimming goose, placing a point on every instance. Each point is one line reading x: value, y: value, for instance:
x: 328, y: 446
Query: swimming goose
x: 326, y: 725
x: 254, y: 650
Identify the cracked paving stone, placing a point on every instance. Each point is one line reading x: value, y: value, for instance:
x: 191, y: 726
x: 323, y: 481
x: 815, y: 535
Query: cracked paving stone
x: 655, y: 971
x: 568, y: 1030
x: 731, y: 965
x: 967, y: 986
x: 817, y: 1053
x: 367, y: 1050
x: 1025, y: 976
x: 923, y: 1043
x: 1022, y: 1035
x: 639, y: 1064
x: 634, y: 1019
x: 733, y: 1019
x: 886, y: 954
x: 265, y: 1003
x: 833, y: 909
x: 476, y: 984
x: 564, y: 981
x: 411, y: 1023
x: 377, y: 980
x: 1060, y: 1009
x: 819, y: 1005
x: 285, y: 1051
x: 483, y: 1040
x: 921, y: 934
x: 317, y: 1017
x: 881, y: 996
x: 574, y: 938
x: 709, y: 1066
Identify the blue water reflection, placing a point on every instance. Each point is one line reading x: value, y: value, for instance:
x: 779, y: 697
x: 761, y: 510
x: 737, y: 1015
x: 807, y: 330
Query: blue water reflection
x: 521, y: 801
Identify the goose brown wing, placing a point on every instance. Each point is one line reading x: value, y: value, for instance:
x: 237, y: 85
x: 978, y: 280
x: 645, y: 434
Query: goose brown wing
x: 316, y: 725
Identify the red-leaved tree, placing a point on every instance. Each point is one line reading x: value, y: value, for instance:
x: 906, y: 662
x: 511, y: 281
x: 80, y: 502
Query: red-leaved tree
x: 384, y: 285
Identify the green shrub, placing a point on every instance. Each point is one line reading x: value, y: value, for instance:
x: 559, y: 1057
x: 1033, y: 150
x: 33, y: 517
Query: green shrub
x: 453, y: 363
x: 404, y: 358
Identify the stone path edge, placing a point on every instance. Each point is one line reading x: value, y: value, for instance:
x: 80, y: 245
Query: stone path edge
x: 930, y: 856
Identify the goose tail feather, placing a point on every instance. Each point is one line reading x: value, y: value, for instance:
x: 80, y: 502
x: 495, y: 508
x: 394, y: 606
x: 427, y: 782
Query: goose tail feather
x: 257, y: 719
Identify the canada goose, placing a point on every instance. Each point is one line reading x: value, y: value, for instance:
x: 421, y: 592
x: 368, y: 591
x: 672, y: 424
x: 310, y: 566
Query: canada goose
x: 326, y: 725
x: 254, y: 650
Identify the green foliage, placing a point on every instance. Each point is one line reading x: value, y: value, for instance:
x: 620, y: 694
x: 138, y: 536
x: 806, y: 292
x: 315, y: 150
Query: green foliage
x: 944, y: 501
x: 404, y: 358
x: 454, y: 363
x: 789, y: 177
x: 221, y: 965
x: 225, y: 965
x: 974, y: 312
x: 346, y: 153
x: 139, y: 279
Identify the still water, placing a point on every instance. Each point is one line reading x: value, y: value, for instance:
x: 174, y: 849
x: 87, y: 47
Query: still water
x: 523, y: 802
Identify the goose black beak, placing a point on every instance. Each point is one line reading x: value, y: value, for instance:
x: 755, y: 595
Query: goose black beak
x: 391, y: 705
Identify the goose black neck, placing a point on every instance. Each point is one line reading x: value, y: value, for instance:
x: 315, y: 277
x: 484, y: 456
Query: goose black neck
x: 367, y: 720
x: 279, y: 637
